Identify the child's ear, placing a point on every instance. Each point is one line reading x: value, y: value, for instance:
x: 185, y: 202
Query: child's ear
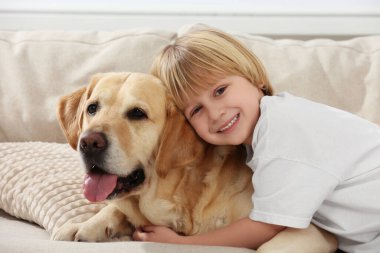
x: 180, y: 146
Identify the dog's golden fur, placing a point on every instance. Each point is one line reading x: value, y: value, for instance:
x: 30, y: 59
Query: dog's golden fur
x: 189, y: 185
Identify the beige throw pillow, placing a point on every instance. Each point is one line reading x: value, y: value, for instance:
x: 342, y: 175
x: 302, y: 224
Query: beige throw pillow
x: 42, y: 183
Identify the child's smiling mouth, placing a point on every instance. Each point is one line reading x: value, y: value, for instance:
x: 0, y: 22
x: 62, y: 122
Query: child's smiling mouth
x: 230, y: 124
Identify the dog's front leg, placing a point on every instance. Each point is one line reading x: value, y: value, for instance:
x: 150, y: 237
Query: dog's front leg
x: 109, y: 224
x: 292, y: 240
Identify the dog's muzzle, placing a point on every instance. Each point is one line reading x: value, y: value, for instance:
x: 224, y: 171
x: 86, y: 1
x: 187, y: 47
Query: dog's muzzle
x: 99, y: 183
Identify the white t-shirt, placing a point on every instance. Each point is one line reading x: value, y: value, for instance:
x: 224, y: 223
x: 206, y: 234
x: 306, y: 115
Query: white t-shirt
x: 315, y: 163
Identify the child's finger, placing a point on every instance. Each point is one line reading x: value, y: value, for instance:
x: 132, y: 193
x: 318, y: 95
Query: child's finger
x: 139, y: 235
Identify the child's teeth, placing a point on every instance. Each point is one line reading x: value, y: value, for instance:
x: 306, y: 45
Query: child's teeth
x: 229, y: 124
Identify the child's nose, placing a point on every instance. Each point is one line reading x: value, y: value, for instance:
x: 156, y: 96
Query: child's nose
x: 215, y: 114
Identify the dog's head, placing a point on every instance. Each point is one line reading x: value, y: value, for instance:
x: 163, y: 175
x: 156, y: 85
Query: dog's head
x: 125, y: 128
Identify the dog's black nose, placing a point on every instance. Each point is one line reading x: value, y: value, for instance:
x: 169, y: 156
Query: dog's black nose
x: 92, y: 143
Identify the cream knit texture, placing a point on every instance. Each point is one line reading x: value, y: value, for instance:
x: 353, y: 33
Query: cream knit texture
x: 42, y: 183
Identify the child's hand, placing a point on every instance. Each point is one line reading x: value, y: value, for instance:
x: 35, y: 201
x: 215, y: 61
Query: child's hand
x: 156, y: 234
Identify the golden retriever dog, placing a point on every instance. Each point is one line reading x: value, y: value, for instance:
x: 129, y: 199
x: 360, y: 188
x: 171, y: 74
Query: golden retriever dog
x: 145, y: 160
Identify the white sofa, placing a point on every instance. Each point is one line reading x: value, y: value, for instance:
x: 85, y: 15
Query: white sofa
x: 37, y: 67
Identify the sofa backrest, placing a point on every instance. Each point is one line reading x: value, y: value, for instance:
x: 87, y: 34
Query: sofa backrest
x: 38, y: 67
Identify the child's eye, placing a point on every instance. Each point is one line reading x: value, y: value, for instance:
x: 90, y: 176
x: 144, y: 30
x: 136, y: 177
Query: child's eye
x: 195, y: 110
x: 219, y: 91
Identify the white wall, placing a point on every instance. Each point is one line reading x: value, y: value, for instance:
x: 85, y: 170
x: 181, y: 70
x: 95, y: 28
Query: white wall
x: 278, y: 18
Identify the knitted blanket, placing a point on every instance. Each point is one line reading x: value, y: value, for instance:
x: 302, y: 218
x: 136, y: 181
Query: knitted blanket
x: 42, y: 183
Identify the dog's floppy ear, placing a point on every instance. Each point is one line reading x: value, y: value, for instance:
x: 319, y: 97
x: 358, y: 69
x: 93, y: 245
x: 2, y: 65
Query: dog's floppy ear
x: 70, y: 111
x: 180, y: 146
x: 69, y: 114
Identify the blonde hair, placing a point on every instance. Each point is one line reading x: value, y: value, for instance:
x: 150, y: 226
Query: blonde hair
x: 203, y: 57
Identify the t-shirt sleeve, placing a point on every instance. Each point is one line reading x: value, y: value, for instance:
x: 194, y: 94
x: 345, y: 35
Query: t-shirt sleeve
x: 287, y: 192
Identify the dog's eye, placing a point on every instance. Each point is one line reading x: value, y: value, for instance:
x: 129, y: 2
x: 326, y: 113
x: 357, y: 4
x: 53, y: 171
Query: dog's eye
x: 92, y: 108
x: 136, y: 114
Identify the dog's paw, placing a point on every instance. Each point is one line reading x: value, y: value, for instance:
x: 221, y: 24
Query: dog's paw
x: 88, y: 232
x: 65, y: 233
x: 81, y: 232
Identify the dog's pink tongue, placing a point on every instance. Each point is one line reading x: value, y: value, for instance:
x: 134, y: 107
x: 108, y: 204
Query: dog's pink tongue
x: 97, y: 187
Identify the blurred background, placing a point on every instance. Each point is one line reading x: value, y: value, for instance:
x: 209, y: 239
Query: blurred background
x: 274, y: 18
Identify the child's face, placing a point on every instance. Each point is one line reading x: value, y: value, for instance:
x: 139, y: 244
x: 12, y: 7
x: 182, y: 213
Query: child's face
x: 225, y: 113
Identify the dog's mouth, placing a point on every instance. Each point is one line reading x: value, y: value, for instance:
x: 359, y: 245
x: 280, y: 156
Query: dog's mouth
x: 99, y: 185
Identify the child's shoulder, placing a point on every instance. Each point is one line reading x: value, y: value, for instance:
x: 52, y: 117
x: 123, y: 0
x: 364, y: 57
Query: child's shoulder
x: 287, y: 110
x: 284, y: 98
x: 286, y: 103
x: 285, y: 107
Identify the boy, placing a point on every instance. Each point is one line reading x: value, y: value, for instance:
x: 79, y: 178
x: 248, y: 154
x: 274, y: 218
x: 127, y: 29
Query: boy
x: 311, y: 162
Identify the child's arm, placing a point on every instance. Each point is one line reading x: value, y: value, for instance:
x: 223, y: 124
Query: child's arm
x: 242, y: 233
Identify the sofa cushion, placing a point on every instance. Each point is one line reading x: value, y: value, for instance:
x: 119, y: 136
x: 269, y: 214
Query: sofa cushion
x: 42, y: 183
x: 37, y: 67
x: 17, y: 236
